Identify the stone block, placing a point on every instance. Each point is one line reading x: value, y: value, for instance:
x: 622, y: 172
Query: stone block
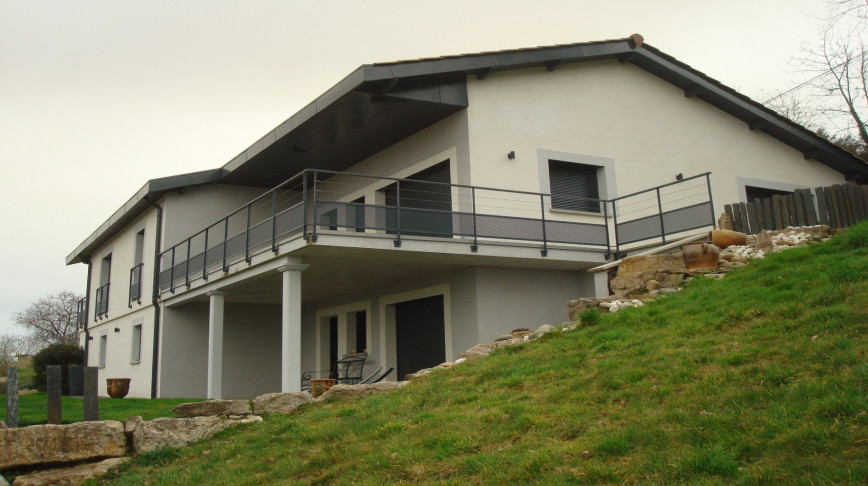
x: 178, y: 432
x: 69, y: 476
x: 50, y: 444
x: 346, y: 392
x: 210, y: 408
x: 665, y: 262
x: 280, y: 402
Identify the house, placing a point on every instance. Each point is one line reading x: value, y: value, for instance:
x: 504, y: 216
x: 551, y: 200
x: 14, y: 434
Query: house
x: 420, y: 207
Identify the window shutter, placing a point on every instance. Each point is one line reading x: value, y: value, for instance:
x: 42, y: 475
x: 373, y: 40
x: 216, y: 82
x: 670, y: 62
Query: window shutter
x: 569, y: 182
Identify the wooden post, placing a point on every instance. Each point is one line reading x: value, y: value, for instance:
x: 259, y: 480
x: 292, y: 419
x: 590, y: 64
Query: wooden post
x: 736, y: 218
x: 53, y: 385
x: 727, y: 208
x: 768, y: 215
x: 801, y: 219
x: 753, y: 218
x: 12, y: 397
x: 833, y: 200
x: 744, y: 222
x: 808, y: 203
x: 776, y: 209
x: 822, y: 209
x: 90, y: 408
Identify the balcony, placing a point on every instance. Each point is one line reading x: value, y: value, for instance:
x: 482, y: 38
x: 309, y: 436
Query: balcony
x: 136, y: 284
x: 102, y: 302
x: 81, y: 314
x: 318, y: 202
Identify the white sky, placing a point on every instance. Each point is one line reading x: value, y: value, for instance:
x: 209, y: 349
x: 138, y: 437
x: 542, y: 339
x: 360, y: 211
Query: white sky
x: 97, y: 97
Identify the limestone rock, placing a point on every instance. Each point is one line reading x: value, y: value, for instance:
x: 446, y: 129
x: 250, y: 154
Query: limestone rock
x: 446, y: 364
x: 44, y: 444
x: 3, y: 481
x: 627, y: 283
x: 478, y: 351
x: 280, y: 402
x: 131, y: 423
x: 418, y: 374
x: 504, y: 337
x: 345, y: 392
x: 69, y: 476
x: 652, y: 284
x: 178, y: 432
x: 213, y: 407
x: 460, y: 360
x: 665, y: 262
x: 2, y: 424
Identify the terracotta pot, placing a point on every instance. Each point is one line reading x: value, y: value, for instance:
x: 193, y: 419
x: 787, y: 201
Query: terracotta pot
x: 118, y: 387
x: 701, y: 254
x: 320, y: 386
x: 723, y: 238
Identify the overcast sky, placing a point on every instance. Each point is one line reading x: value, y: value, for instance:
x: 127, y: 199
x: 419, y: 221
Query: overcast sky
x: 97, y: 97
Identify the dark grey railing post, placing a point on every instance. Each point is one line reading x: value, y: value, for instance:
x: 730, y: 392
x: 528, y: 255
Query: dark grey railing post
x: 397, y: 241
x: 205, y: 257
x: 475, y: 247
x: 130, y: 296
x: 225, y: 242
x: 187, y: 264
x: 274, y: 221
x: 660, y: 213
x: 53, y: 388
x: 247, y: 237
x: 90, y: 405
x: 315, y: 216
x: 304, y: 205
x: 542, y: 205
x: 172, y: 272
x: 615, y: 224
x: 710, y: 200
x: 606, y: 224
x: 12, y: 397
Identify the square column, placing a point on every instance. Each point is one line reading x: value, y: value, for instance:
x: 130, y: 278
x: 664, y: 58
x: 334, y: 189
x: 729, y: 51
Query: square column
x: 215, y: 344
x: 290, y: 339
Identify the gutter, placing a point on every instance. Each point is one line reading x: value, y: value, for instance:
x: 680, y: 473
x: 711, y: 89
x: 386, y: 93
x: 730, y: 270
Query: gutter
x: 87, y: 309
x: 155, y: 296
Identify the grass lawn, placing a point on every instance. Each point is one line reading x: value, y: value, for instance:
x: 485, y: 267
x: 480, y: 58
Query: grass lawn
x: 32, y: 408
x: 759, y: 378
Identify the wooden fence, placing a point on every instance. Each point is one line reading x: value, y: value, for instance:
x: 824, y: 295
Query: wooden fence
x: 838, y: 206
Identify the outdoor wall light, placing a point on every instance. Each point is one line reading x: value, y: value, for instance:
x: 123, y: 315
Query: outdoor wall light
x: 679, y: 176
x: 511, y: 155
x: 117, y: 329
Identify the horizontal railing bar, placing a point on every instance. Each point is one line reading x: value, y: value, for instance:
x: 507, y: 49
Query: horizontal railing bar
x: 660, y: 186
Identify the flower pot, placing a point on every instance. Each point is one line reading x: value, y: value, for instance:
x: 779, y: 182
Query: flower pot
x: 118, y: 387
x: 723, y: 238
x: 701, y: 254
x: 320, y: 386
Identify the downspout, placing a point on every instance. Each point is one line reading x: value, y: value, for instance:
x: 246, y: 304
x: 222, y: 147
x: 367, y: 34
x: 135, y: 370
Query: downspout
x: 87, y: 310
x: 155, y: 296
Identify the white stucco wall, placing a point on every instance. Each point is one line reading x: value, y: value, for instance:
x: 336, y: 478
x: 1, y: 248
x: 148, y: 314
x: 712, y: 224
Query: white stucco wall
x: 619, y: 112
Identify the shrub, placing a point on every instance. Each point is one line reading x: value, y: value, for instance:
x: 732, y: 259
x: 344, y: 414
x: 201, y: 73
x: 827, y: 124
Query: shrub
x: 590, y: 317
x: 63, y: 355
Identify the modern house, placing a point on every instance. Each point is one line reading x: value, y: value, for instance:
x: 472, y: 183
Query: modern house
x: 418, y: 208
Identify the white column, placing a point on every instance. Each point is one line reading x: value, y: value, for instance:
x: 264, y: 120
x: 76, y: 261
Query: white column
x: 290, y: 339
x: 215, y: 345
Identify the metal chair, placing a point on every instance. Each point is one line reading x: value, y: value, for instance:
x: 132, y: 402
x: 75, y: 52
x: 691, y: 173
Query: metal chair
x: 346, y: 371
x: 377, y: 376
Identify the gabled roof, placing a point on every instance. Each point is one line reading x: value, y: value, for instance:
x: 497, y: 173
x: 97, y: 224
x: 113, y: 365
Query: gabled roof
x: 377, y: 105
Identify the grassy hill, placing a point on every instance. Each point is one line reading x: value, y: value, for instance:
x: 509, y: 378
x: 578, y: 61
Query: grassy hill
x: 759, y: 378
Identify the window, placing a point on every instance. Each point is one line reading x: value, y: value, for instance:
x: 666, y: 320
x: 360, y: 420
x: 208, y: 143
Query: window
x: 102, y: 292
x: 136, y: 271
x: 753, y: 193
x: 361, y: 331
x: 136, y: 354
x: 574, y: 186
x: 103, y: 343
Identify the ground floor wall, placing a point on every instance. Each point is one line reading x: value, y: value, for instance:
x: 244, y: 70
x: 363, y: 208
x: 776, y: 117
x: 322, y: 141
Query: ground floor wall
x: 123, y: 348
x: 478, y: 305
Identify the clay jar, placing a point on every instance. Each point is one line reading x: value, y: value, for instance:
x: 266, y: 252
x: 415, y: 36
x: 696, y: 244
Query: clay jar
x: 701, y: 254
x: 723, y: 238
x: 118, y: 387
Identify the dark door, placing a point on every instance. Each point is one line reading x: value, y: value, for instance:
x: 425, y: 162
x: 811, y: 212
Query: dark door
x: 419, y: 336
x: 425, y: 208
x: 333, y: 344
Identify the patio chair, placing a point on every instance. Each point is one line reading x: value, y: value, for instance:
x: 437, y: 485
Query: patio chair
x: 346, y: 371
x: 377, y: 376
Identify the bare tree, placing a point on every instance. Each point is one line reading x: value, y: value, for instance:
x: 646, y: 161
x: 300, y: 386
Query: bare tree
x: 834, y: 94
x: 52, y: 319
x: 11, y: 347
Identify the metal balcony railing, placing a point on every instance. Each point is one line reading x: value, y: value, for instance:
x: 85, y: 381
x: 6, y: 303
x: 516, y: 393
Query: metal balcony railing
x: 102, y: 302
x: 81, y: 313
x: 136, y: 284
x: 316, y: 201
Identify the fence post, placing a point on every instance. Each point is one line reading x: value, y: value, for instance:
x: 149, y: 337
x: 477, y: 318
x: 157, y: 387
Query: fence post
x: 205, y: 257
x: 172, y: 272
x: 187, y: 264
x: 225, y: 242
x: 53, y: 387
x: 12, y: 397
x: 274, y: 221
x: 397, y: 241
x: 90, y: 407
x: 247, y: 237
x: 615, y: 224
x: 315, y: 217
x: 606, y: 222
x: 710, y: 198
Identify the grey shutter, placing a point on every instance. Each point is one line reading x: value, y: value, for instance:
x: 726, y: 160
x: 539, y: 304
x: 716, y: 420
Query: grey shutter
x: 570, y: 183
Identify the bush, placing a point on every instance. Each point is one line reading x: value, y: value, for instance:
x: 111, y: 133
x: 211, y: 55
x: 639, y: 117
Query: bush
x: 63, y: 355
